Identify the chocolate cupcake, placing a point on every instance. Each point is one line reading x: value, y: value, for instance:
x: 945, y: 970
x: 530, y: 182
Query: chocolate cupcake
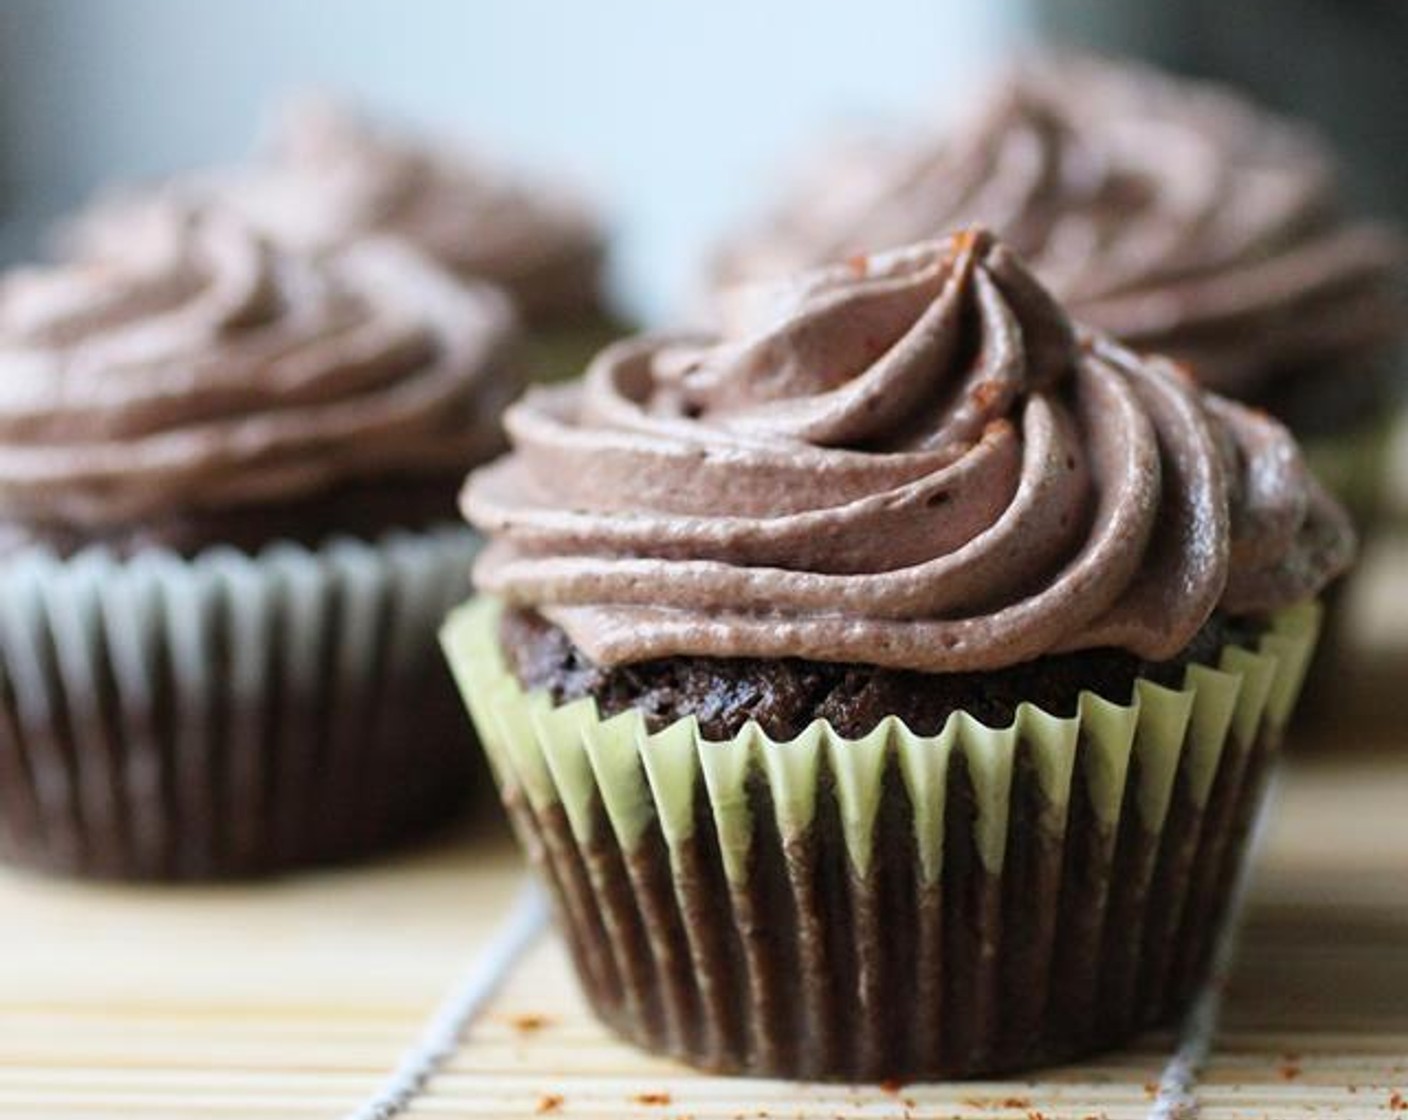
x: 1170, y: 214
x: 227, y: 536
x: 329, y: 178
x: 885, y: 688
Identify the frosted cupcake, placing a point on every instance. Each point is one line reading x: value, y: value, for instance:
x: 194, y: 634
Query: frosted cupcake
x: 885, y: 687
x: 330, y: 178
x: 1170, y: 214
x: 227, y: 479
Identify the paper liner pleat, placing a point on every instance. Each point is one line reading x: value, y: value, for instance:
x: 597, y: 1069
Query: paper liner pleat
x: 164, y: 717
x: 978, y: 901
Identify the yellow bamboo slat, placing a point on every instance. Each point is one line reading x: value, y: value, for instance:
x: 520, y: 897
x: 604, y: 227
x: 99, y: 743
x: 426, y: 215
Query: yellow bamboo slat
x: 294, y: 999
x: 1316, y: 1022
x: 305, y: 1006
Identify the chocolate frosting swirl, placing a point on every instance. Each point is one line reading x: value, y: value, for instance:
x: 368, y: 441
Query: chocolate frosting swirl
x: 195, y: 366
x: 911, y: 461
x: 331, y: 178
x: 1170, y: 214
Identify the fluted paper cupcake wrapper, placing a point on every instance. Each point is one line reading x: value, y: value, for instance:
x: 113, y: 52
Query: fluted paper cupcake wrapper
x: 556, y: 353
x: 898, y: 905
x: 1354, y: 467
x: 164, y: 717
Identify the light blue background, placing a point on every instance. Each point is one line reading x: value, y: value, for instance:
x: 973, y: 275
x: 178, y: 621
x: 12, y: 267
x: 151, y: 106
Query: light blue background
x: 674, y: 115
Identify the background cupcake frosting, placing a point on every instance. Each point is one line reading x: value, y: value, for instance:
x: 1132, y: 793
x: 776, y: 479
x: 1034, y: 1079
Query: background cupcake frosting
x: 183, y: 362
x: 329, y: 177
x: 1171, y: 214
x: 911, y: 460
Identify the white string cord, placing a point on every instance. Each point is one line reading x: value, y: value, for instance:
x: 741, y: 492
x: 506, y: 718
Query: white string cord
x: 446, y: 1029
x: 1177, y: 1096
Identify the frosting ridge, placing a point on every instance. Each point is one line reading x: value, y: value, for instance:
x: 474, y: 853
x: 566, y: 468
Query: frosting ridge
x: 1168, y: 213
x: 330, y: 178
x: 913, y: 460
x: 193, y: 365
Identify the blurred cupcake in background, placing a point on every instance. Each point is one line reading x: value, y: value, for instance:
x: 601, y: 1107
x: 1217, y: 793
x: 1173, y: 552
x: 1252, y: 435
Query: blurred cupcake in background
x: 1171, y: 214
x: 328, y: 178
x: 885, y: 687
x: 227, y: 479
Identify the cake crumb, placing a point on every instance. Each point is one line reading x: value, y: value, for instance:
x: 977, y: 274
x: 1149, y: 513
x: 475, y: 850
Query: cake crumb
x: 549, y: 1103
x: 1397, y: 1102
x: 985, y: 394
x: 891, y: 1086
x: 966, y: 240
x: 1019, y: 1104
x: 1187, y: 376
x: 529, y: 1022
x: 1289, y: 1071
x: 661, y: 1099
x: 1151, y: 1089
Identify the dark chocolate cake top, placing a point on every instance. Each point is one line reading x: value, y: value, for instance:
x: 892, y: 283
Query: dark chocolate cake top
x: 184, y: 363
x: 913, y: 460
x: 1169, y: 213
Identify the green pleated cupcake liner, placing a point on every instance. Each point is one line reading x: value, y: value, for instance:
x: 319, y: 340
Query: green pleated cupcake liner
x: 227, y: 714
x: 1396, y: 470
x: 1355, y: 467
x: 899, y: 905
x: 559, y: 352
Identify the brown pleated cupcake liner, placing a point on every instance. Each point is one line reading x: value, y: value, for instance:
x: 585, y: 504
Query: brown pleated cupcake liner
x: 977, y: 902
x: 229, y: 714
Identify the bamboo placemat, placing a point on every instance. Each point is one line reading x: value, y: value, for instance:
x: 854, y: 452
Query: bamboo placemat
x: 1316, y: 1021
x: 296, y: 999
